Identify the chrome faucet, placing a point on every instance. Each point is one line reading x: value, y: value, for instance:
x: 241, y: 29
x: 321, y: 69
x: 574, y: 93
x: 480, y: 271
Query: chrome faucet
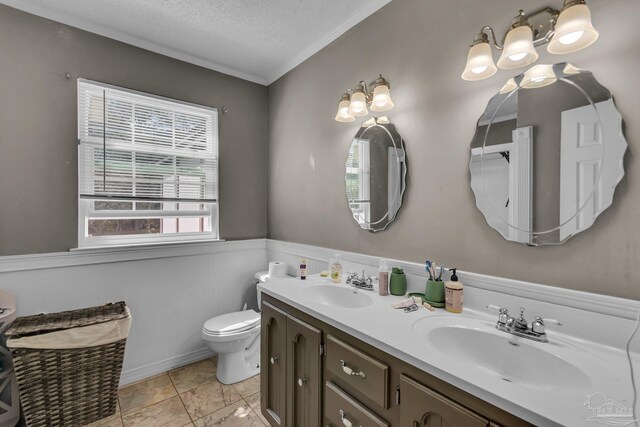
x: 363, y: 282
x: 519, y: 327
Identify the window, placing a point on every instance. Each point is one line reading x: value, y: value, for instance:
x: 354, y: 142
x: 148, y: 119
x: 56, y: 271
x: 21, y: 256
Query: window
x: 147, y: 168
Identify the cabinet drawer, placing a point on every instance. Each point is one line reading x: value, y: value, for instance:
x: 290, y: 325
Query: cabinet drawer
x: 419, y: 405
x: 342, y: 410
x: 366, y: 375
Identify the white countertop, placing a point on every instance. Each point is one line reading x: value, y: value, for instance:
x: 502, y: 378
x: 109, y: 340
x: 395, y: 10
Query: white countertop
x: 402, y: 335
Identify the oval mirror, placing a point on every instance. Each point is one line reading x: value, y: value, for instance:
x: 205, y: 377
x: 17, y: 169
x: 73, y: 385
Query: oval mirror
x: 376, y: 169
x: 547, y: 155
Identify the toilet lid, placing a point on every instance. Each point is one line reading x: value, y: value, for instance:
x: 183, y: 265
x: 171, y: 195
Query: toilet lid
x: 230, y: 323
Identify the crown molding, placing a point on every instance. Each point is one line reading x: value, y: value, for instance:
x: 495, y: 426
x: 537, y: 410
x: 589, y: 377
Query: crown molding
x: 329, y: 37
x: 96, y: 28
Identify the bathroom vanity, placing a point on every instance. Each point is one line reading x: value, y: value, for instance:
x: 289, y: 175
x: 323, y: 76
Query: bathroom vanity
x: 333, y: 355
x: 314, y: 374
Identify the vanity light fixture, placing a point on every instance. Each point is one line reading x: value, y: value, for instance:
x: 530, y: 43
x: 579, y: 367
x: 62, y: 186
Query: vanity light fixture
x: 540, y: 75
x: 344, y: 115
x: 357, y: 102
x: 566, y: 31
x: 574, y: 30
x: 518, y: 50
x: 382, y: 120
x: 509, y: 86
x: 369, y: 123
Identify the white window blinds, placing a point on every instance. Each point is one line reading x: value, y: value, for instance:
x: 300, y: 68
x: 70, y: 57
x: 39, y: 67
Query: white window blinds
x: 140, y: 147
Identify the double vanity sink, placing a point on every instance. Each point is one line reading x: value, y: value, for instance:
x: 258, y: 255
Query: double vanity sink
x: 540, y: 383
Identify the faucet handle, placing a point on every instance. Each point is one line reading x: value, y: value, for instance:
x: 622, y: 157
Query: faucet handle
x: 503, y: 316
x: 538, y: 324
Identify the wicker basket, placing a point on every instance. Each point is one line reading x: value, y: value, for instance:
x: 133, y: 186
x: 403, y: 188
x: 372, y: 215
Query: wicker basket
x: 68, y: 387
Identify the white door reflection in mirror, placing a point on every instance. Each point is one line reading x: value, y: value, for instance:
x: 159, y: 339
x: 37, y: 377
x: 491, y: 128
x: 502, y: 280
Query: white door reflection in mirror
x: 583, y: 179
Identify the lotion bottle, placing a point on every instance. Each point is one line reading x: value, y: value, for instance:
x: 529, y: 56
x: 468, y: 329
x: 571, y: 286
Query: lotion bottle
x: 383, y: 278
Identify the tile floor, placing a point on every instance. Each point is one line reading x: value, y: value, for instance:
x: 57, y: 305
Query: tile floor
x: 188, y: 396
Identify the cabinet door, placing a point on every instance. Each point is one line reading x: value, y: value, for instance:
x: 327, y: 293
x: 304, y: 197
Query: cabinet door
x: 303, y: 374
x: 421, y: 406
x: 273, y: 362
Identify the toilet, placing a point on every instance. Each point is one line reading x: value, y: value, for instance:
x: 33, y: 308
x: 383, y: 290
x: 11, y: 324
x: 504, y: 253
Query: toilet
x: 235, y: 338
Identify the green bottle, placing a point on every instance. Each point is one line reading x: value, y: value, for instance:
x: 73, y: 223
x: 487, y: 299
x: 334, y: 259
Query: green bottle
x: 398, y: 282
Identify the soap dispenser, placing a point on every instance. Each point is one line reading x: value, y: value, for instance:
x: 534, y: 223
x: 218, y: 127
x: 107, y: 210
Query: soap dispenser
x: 398, y: 282
x: 453, y: 293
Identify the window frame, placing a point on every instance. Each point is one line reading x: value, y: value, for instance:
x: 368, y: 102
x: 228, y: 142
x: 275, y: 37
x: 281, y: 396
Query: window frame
x: 210, y: 211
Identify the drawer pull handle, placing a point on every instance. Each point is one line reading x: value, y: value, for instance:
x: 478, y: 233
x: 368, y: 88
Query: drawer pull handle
x: 302, y: 381
x: 347, y: 370
x: 344, y: 419
x: 274, y: 360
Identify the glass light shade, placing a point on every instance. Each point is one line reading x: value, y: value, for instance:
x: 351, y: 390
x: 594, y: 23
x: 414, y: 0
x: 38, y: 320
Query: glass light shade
x: 343, y: 112
x: 509, y: 86
x: 381, y: 99
x: 369, y: 123
x: 570, y: 69
x: 518, y: 49
x: 358, y: 105
x: 574, y: 31
x: 479, y: 63
x: 539, y: 76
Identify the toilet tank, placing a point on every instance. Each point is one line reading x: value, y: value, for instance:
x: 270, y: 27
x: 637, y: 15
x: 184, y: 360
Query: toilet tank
x: 261, y: 277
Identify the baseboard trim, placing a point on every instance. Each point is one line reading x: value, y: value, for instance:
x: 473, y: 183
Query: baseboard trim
x: 596, y: 303
x: 146, y: 371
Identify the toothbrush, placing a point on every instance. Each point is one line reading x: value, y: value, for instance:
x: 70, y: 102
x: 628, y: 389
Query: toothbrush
x: 428, y: 268
x: 442, y: 267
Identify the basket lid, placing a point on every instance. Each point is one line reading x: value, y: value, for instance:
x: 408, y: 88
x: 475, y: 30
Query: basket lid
x: 50, y: 322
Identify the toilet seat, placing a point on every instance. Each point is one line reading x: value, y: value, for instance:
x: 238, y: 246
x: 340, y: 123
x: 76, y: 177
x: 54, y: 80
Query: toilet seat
x: 231, y: 323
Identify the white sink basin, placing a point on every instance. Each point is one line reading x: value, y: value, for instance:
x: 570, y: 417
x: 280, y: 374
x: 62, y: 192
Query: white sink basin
x: 508, y: 358
x: 336, y: 296
x: 477, y: 345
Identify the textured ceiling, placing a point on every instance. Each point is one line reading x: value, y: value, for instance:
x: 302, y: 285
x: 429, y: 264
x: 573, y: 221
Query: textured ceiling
x: 258, y: 40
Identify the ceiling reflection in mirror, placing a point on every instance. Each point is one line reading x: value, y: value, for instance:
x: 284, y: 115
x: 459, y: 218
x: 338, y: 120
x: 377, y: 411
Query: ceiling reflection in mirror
x: 375, y: 175
x: 547, y: 155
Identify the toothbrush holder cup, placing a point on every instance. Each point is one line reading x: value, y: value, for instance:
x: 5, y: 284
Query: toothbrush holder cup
x: 434, y: 291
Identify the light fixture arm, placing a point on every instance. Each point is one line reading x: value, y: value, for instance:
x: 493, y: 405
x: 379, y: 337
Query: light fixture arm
x: 483, y: 38
x: 568, y: 3
x: 362, y: 85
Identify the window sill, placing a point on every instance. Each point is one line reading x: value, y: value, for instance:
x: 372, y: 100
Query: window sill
x: 139, y: 246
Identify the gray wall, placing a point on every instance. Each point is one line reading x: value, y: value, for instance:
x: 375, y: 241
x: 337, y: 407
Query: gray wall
x: 420, y: 46
x: 38, y: 152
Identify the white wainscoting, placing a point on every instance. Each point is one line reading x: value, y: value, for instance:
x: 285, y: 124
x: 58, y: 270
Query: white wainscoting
x: 171, y: 290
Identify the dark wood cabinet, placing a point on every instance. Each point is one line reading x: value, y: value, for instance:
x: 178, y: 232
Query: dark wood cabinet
x: 273, y: 358
x: 303, y: 374
x: 314, y: 374
x: 290, y: 377
x: 422, y: 406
